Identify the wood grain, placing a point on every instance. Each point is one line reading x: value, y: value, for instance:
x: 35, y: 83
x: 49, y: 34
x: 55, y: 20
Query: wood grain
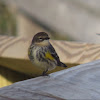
x: 69, y: 52
x: 13, y: 53
x: 79, y: 82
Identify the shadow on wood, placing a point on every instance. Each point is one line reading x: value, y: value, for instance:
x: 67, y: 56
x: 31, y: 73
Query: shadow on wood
x: 7, y: 76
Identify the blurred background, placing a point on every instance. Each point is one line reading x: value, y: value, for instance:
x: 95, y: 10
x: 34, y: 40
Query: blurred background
x: 77, y: 20
x: 71, y: 20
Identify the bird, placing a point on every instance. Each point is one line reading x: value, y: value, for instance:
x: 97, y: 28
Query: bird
x: 42, y: 54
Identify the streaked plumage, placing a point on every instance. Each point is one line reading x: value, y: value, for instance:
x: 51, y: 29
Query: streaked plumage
x: 42, y: 53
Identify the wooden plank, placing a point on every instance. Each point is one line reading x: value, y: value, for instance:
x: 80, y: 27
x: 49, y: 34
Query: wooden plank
x: 80, y: 82
x: 13, y: 53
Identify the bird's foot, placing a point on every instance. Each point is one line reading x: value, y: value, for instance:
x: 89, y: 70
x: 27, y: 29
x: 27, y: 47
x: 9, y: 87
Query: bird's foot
x: 45, y: 74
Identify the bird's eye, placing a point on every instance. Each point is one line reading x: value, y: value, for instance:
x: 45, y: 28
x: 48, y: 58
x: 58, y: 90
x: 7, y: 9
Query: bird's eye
x: 40, y: 39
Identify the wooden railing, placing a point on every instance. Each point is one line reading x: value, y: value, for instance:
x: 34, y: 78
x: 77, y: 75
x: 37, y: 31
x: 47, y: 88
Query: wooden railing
x: 82, y: 81
x: 13, y: 53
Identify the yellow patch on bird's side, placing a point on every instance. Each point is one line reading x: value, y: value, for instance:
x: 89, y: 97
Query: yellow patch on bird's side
x: 49, y: 56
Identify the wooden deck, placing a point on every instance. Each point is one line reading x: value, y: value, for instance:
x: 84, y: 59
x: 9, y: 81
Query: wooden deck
x: 80, y: 82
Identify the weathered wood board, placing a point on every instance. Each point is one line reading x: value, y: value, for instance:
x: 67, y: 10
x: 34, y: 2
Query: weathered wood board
x: 14, y: 53
x: 80, y: 82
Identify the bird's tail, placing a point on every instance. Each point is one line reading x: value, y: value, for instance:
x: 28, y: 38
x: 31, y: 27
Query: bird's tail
x: 63, y: 65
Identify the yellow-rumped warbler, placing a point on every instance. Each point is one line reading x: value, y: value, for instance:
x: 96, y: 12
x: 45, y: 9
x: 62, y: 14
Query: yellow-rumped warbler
x: 42, y: 54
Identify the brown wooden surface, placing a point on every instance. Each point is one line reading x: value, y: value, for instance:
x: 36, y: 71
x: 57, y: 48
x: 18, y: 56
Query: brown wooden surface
x: 79, y: 82
x: 13, y: 53
x: 8, y: 76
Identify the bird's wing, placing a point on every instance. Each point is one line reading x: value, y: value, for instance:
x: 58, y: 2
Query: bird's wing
x: 54, y: 54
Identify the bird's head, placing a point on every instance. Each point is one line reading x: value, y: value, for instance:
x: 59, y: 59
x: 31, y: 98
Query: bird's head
x: 41, y: 39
